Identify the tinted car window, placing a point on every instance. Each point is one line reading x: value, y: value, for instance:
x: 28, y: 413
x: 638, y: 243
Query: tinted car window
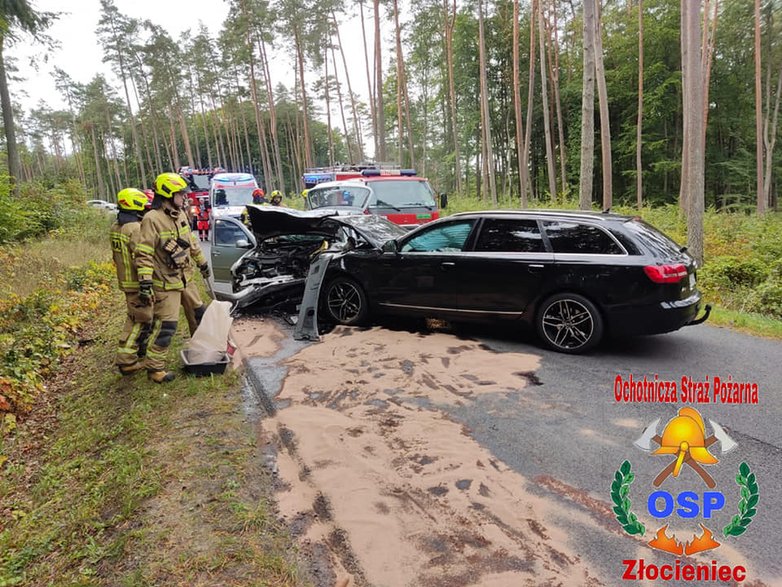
x: 227, y: 233
x: 659, y: 245
x: 574, y: 237
x: 448, y: 238
x: 510, y: 235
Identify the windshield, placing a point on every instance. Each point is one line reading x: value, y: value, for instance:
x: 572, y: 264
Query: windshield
x: 334, y: 197
x: 233, y: 195
x: 375, y: 229
x: 199, y: 182
x: 402, y: 194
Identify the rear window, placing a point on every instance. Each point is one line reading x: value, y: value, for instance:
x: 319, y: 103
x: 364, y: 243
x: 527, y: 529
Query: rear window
x: 510, y: 236
x: 654, y: 241
x: 576, y: 238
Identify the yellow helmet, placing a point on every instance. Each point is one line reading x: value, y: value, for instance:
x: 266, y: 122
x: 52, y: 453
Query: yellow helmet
x: 167, y: 184
x: 304, y: 193
x: 684, y: 435
x: 132, y: 200
x: 276, y: 193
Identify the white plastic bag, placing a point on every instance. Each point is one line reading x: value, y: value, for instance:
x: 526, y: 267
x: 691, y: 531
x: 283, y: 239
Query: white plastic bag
x: 210, y: 339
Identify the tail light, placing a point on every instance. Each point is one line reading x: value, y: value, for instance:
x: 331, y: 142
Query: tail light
x: 666, y: 273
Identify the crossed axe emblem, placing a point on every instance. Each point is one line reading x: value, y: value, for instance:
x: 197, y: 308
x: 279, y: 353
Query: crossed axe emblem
x: 685, y: 436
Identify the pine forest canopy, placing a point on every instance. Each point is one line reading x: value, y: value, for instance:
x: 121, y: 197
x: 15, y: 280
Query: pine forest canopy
x: 484, y: 98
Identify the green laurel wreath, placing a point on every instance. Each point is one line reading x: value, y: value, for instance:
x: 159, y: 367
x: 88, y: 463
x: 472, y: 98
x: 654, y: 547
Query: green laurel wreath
x: 620, y: 492
x: 748, y: 503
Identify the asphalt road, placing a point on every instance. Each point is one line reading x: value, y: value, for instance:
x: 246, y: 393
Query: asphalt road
x: 574, y: 435
x: 577, y: 435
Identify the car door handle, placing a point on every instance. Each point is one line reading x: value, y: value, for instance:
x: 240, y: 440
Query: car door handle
x: 447, y: 264
x: 215, y: 252
x: 535, y: 267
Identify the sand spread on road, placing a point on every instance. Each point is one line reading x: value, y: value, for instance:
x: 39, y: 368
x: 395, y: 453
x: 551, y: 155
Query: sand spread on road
x: 400, y: 493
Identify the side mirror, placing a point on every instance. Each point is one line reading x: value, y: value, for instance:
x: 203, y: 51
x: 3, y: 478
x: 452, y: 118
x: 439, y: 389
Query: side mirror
x: 443, y: 200
x: 390, y: 247
x: 243, y: 244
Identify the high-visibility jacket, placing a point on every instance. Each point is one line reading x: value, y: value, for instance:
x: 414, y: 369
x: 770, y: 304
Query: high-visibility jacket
x: 124, y: 237
x: 158, y: 229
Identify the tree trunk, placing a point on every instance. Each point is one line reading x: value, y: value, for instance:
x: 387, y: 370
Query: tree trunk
x: 639, y: 183
x: 101, y: 190
x: 272, y: 115
x: 554, y: 52
x: 399, y: 115
x: 683, y: 204
x: 370, y: 87
x: 14, y: 167
x: 488, y: 164
x: 348, y: 139
x: 770, y: 141
x: 695, y: 174
x: 328, y: 104
x: 268, y: 176
x: 552, y: 174
x: 356, y: 121
x: 588, y: 110
x: 517, y: 109
x: 123, y: 77
x: 378, y: 86
x: 605, y: 125
x: 530, y: 95
x: 762, y: 205
x: 304, y: 106
x: 450, y: 21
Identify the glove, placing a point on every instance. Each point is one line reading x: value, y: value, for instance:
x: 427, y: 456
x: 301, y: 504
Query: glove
x: 146, y: 294
x: 204, y: 269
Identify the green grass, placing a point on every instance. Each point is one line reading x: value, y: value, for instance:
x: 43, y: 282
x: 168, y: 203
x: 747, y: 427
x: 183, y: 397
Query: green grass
x: 90, y: 493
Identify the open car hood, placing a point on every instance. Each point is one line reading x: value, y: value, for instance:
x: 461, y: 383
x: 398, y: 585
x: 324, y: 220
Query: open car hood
x: 268, y: 222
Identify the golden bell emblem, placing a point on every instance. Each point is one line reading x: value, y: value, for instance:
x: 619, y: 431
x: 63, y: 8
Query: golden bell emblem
x: 683, y: 436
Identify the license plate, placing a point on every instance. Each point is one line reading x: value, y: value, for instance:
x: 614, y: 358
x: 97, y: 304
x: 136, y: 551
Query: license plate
x: 692, y: 280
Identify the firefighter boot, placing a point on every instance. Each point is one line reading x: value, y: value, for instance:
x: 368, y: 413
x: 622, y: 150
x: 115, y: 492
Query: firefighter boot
x: 132, y: 369
x: 160, y: 376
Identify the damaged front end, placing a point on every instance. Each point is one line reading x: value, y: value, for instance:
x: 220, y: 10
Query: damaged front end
x: 273, y: 274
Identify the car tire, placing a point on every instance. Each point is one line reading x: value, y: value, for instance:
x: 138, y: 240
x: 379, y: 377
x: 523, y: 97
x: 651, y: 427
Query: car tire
x: 569, y: 323
x: 345, y: 302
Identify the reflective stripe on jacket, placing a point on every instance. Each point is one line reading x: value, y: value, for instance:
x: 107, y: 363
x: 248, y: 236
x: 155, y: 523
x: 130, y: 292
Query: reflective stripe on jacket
x: 124, y: 239
x: 158, y: 227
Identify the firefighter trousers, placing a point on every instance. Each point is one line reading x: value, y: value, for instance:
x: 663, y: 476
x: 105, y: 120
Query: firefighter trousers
x: 164, y: 326
x: 135, y: 332
x: 193, y: 306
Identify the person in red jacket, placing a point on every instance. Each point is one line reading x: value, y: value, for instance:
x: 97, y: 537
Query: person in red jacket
x: 204, y: 210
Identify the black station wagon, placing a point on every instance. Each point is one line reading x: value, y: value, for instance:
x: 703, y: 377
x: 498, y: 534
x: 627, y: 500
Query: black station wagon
x: 574, y: 277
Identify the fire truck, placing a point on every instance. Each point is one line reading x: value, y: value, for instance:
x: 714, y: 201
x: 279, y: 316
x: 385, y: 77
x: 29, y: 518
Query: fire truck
x: 399, y: 195
x: 198, y: 181
x: 315, y: 175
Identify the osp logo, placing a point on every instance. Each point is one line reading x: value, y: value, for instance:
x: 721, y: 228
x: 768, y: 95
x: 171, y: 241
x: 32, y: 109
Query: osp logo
x: 688, y: 449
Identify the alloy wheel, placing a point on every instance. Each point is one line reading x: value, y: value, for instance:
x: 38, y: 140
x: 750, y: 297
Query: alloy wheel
x: 345, y: 302
x: 568, y: 324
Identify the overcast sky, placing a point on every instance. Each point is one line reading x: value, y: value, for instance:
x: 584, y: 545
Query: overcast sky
x: 80, y: 55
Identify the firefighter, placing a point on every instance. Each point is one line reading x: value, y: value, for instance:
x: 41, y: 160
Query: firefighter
x: 276, y: 198
x: 259, y: 197
x: 204, y: 209
x: 166, y: 249
x: 124, y: 240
